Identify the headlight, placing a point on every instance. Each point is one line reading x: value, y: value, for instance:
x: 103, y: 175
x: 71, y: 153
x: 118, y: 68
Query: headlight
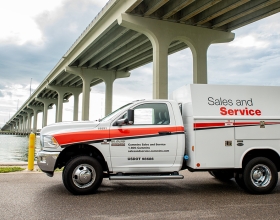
x: 49, y: 141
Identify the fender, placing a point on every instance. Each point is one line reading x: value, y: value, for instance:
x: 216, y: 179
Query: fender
x: 255, y: 148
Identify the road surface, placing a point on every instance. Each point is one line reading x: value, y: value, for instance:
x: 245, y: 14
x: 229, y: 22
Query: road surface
x: 198, y: 196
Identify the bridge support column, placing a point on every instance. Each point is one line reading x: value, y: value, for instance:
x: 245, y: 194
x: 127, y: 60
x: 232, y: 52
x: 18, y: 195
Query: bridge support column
x: 14, y: 126
x: 23, y: 127
x: 46, y: 103
x: 11, y: 126
x: 61, y: 91
x: 161, y: 34
x: 20, y: 124
x: 59, y: 108
x: 45, y: 113
x: 35, y: 121
x: 28, y: 126
x: 87, y: 76
x: 26, y: 122
x: 36, y: 110
x: 76, y: 104
x: 109, y: 80
x: 17, y: 123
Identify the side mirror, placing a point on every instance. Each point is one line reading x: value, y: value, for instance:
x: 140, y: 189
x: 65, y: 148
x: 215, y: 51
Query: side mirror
x: 129, y: 120
x: 130, y: 116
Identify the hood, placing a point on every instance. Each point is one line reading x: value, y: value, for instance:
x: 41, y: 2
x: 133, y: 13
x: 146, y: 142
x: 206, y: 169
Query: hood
x: 65, y: 127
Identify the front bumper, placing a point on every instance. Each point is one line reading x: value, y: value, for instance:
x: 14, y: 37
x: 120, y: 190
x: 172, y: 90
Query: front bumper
x: 46, y: 161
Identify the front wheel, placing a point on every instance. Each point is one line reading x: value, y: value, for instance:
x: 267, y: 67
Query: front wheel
x: 260, y: 175
x: 82, y: 175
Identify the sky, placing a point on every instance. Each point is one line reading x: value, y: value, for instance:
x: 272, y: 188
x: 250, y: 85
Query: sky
x: 34, y: 35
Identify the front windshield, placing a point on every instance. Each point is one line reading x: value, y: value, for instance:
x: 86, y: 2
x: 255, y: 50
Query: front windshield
x: 114, y: 113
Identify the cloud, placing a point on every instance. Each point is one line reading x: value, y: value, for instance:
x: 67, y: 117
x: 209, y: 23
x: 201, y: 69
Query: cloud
x: 180, y: 69
x: 42, y: 32
x: 23, y: 30
x: 235, y: 65
x: 60, y: 25
x: 249, y: 41
x: 137, y: 86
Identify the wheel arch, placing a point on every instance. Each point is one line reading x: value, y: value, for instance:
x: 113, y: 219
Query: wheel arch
x: 268, y: 153
x: 80, y: 149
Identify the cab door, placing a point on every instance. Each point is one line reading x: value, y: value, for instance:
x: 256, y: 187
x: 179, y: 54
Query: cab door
x: 149, y: 144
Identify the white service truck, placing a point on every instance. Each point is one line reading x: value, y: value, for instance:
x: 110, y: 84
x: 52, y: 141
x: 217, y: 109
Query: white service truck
x: 229, y: 131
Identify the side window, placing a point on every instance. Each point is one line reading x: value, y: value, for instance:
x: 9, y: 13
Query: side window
x: 144, y: 116
x: 151, y: 114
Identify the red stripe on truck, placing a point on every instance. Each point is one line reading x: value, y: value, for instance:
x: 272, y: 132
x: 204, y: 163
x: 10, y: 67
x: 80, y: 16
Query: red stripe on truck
x: 95, y: 135
x: 211, y: 125
x: 131, y: 132
x: 81, y: 136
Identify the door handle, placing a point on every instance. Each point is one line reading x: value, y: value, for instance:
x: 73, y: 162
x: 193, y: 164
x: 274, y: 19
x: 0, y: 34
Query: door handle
x: 164, y: 132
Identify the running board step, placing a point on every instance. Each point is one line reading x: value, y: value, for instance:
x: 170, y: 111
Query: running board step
x: 142, y: 177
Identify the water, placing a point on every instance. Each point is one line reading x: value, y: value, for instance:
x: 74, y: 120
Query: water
x: 14, y: 148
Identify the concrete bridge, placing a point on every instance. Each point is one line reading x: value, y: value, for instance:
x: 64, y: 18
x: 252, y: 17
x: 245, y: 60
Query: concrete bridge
x: 127, y: 34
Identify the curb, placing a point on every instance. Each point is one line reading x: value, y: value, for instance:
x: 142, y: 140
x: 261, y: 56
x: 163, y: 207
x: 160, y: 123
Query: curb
x: 14, y: 164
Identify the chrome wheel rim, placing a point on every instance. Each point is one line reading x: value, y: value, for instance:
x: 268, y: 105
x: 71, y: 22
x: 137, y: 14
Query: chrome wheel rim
x: 83, y: 176
x: 260, y: 175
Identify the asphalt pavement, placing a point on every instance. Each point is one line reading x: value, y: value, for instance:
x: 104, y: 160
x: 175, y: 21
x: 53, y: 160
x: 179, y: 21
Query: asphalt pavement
x: 33, y: 195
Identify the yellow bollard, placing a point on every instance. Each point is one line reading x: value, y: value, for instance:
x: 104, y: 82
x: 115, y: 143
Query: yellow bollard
x: 31, y: 151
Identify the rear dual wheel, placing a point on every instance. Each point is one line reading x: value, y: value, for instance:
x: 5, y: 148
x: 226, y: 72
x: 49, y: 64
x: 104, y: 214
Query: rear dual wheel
x: 260, y: 176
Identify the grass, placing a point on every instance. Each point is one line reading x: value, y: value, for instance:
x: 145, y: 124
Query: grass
x: 57, y: 169
x: 10, y: 169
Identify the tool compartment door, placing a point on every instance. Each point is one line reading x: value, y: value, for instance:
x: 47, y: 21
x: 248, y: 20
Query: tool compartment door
x: 214, y: 144
x: 255, y: 134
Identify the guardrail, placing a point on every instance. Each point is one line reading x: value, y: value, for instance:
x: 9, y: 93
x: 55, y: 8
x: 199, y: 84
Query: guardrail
x: 16, y: 133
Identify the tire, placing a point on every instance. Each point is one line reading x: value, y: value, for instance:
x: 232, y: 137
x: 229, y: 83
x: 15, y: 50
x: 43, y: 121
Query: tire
x: 239, y: 180
x: 82, y: 175
x: 223, y: 175
x: 260, y: 176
